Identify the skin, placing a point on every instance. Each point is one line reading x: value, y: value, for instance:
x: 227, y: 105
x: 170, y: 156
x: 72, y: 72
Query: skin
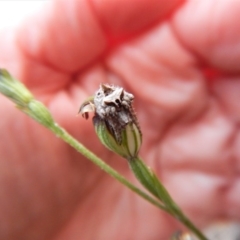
x: 181, y: 60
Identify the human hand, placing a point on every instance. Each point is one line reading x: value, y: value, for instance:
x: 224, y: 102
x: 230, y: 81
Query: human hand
x: 180, y: 60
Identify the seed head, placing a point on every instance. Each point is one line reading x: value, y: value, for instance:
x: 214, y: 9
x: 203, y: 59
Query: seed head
x: 115, y: 120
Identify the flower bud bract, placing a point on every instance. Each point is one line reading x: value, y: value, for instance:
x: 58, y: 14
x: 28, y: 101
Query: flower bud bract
x: 131, y: 139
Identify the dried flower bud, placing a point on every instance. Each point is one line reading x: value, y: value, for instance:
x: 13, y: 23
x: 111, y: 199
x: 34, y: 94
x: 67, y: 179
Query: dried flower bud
x: 115, y: 120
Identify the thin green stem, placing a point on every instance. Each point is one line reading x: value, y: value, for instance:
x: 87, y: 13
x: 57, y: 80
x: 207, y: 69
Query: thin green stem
x: 150, y: 181
x: 190, y: 225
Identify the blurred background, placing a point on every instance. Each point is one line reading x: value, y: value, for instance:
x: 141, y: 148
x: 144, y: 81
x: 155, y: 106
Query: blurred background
x: 19, y: 9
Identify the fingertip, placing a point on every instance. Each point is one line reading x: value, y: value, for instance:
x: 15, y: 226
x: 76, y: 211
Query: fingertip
x: 210, y: 31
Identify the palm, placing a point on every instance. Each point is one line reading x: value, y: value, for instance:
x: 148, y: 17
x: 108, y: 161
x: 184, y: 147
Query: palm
x: 188, y: 137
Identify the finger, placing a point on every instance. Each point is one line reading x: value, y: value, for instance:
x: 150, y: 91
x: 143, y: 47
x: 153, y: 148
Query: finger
x: 70, y: 34
x: 123, y: 17
x: 211, y: 29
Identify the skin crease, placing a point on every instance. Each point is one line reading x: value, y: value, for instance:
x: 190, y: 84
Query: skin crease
x: 180, y: 60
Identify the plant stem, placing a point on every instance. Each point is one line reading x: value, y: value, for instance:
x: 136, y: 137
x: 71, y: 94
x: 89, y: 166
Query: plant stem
x: 150, y: 181
x: 190, y: 225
